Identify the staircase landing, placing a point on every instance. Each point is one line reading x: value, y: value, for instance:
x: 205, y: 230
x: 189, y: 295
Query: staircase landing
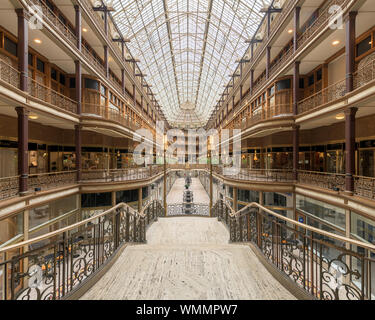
x: 187, y: 258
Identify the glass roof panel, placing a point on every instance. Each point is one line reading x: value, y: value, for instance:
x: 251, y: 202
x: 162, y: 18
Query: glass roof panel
x: 188, y: 48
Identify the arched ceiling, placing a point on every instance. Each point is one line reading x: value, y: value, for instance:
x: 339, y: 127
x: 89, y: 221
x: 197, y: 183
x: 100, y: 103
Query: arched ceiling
x: 188, y: 48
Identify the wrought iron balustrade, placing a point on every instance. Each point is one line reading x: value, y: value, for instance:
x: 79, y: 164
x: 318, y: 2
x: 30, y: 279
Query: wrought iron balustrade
x: 330, y: 94
x: 194, y: 209
x: 333, y: 181
x: 49, y: 180
x: 55, y: 265
x: 9, y: 74
x: 54, y: 21
x: 247, y: 174
x: 364, y: 187
x: 9, y: 187
x: 327, y: 266
x: 46, y: 94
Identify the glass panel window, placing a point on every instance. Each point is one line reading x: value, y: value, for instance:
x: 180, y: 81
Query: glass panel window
x: 11, y: 227
x: 10, y: 46
x: 40, y: 65
x: 364, y: 46
x: 323, y: 212
x: 91, y: 84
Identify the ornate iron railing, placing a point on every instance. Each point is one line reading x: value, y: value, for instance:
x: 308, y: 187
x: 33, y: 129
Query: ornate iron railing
x: 9, y: 187
x: 364, y: 187
x: 53, y: 266
x: 315, y: 260
x: 50, y: 180
x: 51, y: 96
x: 128, y: 174
x: 54, y: 21
x: 331, y: 93
x: 97, y: 110
x: 365, y: 74
x: 186, y: 209
x: 325, y: 16
x: 9, y: 74
x: 264, y: 175
x: 333, y: 181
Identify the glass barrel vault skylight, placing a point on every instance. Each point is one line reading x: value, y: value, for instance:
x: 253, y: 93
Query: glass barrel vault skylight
x: 188, y: 48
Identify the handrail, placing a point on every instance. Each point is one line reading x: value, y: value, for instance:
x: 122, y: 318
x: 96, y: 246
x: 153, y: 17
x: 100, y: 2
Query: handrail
x: 66, y: 229
x: 303, y: 225
x: 325, y: 265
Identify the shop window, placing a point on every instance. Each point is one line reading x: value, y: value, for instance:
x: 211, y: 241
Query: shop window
x: 10, y: 46
x: 95, y: 200
x: 72, y: 83
x: 11, y: 227
x: 283, y: 85
x: 302, y: 83
x: 62, y: 79
x: 30, y: 59
x: 91, y: 84
x: 54, y: 74
x: 364, y: 46
x: 311, y: 80
x: 127, y: 196
x: 40, y: 65
x: 319, y: 75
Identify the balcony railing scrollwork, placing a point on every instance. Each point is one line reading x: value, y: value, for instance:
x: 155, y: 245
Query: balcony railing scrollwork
x: 54, y: 265
x: 51, y: 180
x: 317, y: 261
x: 332, y: 181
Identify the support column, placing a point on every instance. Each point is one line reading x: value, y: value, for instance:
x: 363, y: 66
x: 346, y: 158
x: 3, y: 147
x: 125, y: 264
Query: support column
x: 268, y: 62
x: 211, y: 185
x: 134, y: 96
x: 268, y: 23
x: 350, y: 49
x: 78, y: 27
x: 105, y: 13
x: 251, y: 81
x: 23, y: 149
x: 350, y: 149
x: 295, y: 151
x: 165, y: 183
x: 106, y: 63
x: 140, y: 204
x: 23, y: 47
x: 123, y: 81
x: 296, y: 78
x: 296, y: 31
x: 78, y: 78
x: 235, y: 199
x: 78, y: 145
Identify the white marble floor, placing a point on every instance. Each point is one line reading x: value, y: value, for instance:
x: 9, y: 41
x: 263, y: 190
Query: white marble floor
x: 187, y: 258
x: 176, y: 194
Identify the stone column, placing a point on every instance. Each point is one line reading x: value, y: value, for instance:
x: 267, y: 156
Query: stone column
x: 23, y: 47
x: 78, y: 78
x: 78, y: 145
x: 295, y: 151
x: 106, y: 63
x: 296, y: 31
x: 23, y: 149
x: 268, y: 62
x: 78, y: 26
x: 350, y: 49
x: 350, y: 148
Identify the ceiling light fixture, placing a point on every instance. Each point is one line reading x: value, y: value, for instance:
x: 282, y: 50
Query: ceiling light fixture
x: 336, y: 42
x: 340, y: 116
x: 38, y: 41
x: 33, y: 117
x: 290, y: 31
x: 84, y: 29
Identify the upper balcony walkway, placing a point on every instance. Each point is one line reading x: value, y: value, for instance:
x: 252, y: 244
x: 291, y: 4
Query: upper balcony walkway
x: 187, y: 258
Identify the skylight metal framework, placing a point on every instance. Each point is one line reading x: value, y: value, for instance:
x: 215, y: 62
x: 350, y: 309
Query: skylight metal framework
x: 188, y: 48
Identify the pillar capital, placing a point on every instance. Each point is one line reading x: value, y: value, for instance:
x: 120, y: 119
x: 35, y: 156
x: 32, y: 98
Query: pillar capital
x: 352, y: 111
x: 22, y: 111
x: 23, y: 13
x: 350, y: 16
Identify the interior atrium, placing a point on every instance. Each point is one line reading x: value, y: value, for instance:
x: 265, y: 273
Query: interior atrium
x: 187, y: 150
